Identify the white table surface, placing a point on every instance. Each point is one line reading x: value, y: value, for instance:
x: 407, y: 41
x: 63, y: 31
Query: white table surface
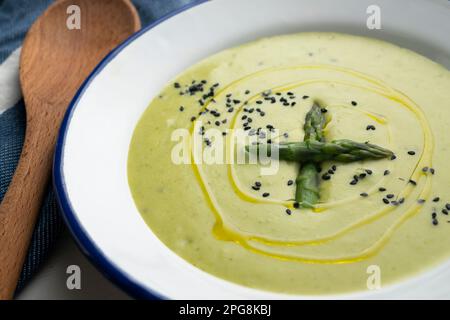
x: 50, y: 281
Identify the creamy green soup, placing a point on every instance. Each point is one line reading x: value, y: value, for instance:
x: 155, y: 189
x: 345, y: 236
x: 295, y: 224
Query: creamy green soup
x: 234, y: 222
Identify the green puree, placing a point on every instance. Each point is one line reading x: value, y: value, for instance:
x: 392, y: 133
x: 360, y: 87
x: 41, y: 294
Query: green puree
x: 242, y: 226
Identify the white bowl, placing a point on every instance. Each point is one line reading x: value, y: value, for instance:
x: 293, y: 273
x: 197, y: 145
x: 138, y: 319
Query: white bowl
x: 90, y: 170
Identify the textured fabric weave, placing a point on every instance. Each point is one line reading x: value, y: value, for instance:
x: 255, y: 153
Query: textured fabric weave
x: 16, y: 16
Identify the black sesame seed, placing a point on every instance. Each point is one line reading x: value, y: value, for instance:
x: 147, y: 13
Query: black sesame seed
x: 305, y: 97
x: 411, y: 153
x: 265, y: 194
x: 381, y: 189
x: 447, y: 206
x: 445, y: 211
x: 354, y: 103
x: 353, y: 182
x: 176, y: 85
x: 259, y: 102
x: 435, y: 222
x: 296, y: 205
x: 393, y: 157
x: 370, y: 127
x: 258, y: 184
x: 425, y: 169
x: 323, y: 110
x: 368, y: 171
x: 193, y: 118
x: 412, y: 182
x: 434, y: 215
x: 432, y: 170
x: 181, y: 108
x: 389, y: 196
x: 436, y: 199
x: 364, y: 194
x: 401, y: 200
x: 333, y: 167
x: 386, y: 172
x: 247, y: 91
x: 290, y: 182
x: 326, y: 176
x: 288, y: 211
x: 421, y: 201
x: 386, y: 201
x: 255, y: 188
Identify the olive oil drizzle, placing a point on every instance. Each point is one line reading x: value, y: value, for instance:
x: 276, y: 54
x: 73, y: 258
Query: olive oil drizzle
x: 227, y: 232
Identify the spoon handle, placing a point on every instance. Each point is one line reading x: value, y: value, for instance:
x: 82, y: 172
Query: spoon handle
x: 22, y: 201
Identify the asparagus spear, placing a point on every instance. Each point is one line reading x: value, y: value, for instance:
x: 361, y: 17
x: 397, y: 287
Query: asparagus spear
x: 314, y: 124
x: 307, y: 181
x: 338, y: 150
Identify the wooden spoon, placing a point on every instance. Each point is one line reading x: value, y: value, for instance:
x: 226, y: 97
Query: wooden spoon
x: 55, y: 60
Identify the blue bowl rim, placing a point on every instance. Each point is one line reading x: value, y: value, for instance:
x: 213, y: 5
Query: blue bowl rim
x: 84, y: 242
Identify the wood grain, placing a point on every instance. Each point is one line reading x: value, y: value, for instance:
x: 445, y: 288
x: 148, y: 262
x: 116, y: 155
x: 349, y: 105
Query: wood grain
x: 54, y: 63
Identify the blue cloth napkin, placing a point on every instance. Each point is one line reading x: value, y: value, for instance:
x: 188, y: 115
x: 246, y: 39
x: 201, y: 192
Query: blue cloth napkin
x: 16, y: 16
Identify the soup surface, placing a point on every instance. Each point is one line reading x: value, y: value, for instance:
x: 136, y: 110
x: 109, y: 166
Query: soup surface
x: 240, y: 223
